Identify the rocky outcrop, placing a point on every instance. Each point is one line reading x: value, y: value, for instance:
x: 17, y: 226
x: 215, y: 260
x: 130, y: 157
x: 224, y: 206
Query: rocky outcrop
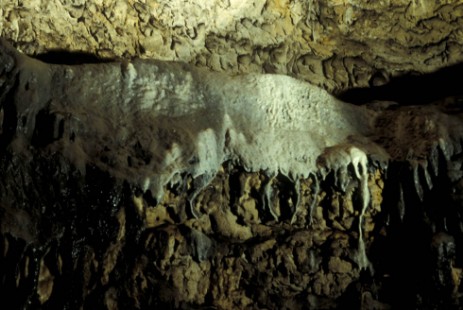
x: 137, y: 184
x: 335, y: 44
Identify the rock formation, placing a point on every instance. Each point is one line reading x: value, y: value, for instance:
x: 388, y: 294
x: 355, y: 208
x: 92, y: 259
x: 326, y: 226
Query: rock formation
x: 136, y: 183
x: 337, y: 44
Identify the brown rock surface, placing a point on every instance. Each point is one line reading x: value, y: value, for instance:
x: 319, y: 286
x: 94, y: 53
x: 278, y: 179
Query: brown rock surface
x: 333, y: 43
x: 92, y: 214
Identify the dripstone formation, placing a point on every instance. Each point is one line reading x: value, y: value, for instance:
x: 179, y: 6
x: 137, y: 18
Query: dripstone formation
x: 136, y: 184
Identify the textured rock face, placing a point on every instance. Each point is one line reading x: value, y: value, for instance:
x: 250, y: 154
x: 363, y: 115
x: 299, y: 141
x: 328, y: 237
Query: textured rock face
x: 136, y: 184
x: 145, y: 183
x: 336, y: 44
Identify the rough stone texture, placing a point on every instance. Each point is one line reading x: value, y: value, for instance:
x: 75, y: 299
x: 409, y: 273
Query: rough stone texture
x: 83, y: 232
x: 337, y: 44
x: 375, y: 224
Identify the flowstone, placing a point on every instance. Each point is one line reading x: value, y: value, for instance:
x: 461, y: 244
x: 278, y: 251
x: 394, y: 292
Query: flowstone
x: 148, y: 183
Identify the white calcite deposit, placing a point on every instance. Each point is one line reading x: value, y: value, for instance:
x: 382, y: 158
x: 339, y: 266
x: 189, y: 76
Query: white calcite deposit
x: 165, y: 124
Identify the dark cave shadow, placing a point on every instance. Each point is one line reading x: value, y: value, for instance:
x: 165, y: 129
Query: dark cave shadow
x: 411, y: 88
x: 64, y: 57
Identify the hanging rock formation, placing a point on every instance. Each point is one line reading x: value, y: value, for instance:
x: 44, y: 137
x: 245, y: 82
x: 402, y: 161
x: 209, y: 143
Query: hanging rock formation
x: 133, y: 183
x: 154, y: 183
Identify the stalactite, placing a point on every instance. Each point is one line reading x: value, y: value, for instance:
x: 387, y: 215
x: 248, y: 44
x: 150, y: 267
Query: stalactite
x: 168, y: 178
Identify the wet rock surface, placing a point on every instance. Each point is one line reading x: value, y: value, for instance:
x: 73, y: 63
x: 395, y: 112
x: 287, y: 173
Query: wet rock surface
x: 373, y: 222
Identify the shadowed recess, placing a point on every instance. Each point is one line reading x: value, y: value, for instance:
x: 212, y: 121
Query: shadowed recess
x: 63, y: 57
x: 412, y: 88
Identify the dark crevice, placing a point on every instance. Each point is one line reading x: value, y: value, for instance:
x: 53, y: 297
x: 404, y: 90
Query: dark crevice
x: 63, y: 57
x: 10, y: 119
x: 234, y: 186
x: 413, y: 255
x: 150, y: 199
x: 412, y: 88
x: 44, y: 131
x: 288, y: 196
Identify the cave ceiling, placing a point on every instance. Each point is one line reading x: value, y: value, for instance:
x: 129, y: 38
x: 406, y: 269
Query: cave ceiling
x: 336, y: 44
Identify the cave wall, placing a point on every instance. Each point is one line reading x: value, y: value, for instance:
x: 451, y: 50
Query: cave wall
x: 373, y: 222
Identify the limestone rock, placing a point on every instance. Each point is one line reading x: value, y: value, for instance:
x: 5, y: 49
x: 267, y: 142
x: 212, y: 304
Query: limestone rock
x: 333, y: 43
x: 148, y: 183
